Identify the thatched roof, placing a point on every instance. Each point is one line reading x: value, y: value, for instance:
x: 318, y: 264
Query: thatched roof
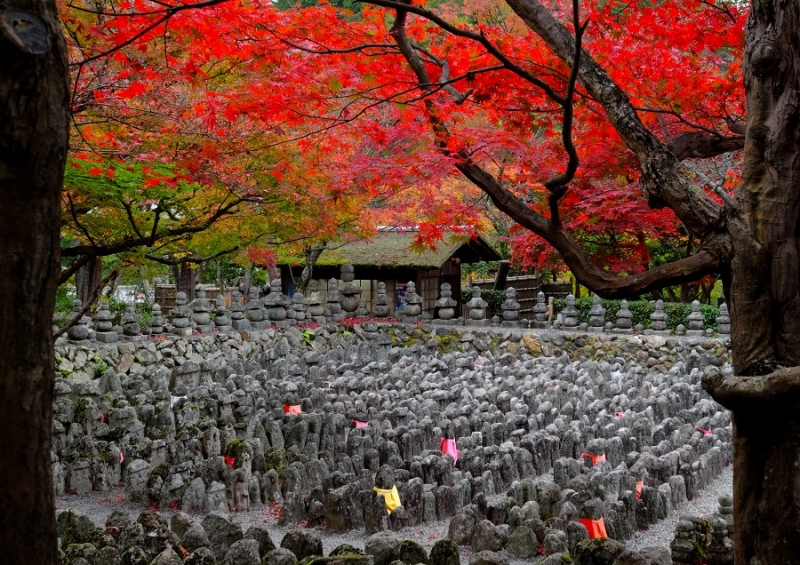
x: 393, y: 248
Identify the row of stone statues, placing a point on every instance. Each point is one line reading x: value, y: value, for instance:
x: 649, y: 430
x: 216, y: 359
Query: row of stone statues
x: 340, y: 302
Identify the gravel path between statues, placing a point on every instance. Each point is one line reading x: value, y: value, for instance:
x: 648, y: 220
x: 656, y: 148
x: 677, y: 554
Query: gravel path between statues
x: 99, y: 505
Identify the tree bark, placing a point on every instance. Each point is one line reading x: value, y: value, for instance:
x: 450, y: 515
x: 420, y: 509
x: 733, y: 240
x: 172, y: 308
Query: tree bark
x: 34, y: 127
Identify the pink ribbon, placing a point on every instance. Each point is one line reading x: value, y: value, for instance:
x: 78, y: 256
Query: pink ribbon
x: 359, y: 424
x: 448, y: 447
x: 595, y: 458
x: 704, y: 432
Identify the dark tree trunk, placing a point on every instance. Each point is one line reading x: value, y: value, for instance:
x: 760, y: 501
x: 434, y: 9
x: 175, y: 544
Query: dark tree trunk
x: 764, y: 290
x: 185, y: 279
x: 502, y: 276
x: 88, y: 278
x: 311, y: 255
x: 34, y: 126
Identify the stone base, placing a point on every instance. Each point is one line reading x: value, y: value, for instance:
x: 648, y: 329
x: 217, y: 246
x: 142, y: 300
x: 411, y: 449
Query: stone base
x: 182, y: 331
x: 106, y: 337
x: 595, y: 330
x: 205, y: 328
x: 509, y: 324
x: 223, y: 329
x: 282, y: 323
x: 241, y: 325
x: 480, y: 323
x: 664, y: 333
x: 539, y: 325
x: 695, y: 333
x: 135, y: 337
x: 262, y: 325
x: 622, y: 331
x: 440, y: 322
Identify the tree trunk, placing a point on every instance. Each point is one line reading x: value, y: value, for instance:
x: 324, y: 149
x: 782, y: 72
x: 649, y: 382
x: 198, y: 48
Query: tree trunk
x: 34, y: 127
x: 88, y: 278
x: 502, y: 276
x: 185, y: 280
x: 312, y: 254
x: 762, y: 291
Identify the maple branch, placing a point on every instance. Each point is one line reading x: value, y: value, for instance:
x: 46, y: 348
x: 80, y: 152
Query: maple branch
x: 698, y: 145
x: 196, y: 259
x: 704, y: 261
x: 329, y: 51
x: 477, y: 37
x: 168, y: 13
x: 663, y: 178
x: 557, y: 185
x: 129, y: 213
x: 78, y: 224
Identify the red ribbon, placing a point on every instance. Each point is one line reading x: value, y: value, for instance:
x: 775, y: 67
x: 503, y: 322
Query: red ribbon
x: 229, y: 461
x: 596, y: 528
x: 359, y: 424
x: 704, y: 432
x: 639, y: 487
x: 295, y: 410
x: 595, y: 458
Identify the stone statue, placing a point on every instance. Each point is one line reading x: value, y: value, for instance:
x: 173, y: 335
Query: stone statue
x: 624, y: 319
x: 412, y: 311
x: 695, y: 320
x: 477, y: 308
x: 445, y: 306
x: 510, y: 308
x: 540, y: 313
x: 597, y: 316
x: 103, y: 324
x: 349, y: 291
x: 380, y: 306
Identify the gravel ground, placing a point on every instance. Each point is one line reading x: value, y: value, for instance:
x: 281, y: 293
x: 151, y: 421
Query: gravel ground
x: 99, y: 505
x: 704, y: 505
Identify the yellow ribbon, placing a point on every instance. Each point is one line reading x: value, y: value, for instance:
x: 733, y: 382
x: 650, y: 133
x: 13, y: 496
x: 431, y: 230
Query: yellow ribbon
x: 391, y: 496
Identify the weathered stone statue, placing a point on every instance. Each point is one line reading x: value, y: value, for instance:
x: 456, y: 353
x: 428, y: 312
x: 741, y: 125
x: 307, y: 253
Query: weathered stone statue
x: 597, y: 316
x: 695, y: 320
x: 477, y: 308
x: 80, y: 329
x: 238, y: 320
x: 569, y: 315
x: 315, y: 309
x: 510, y: 308
x: 658, y: 319
x: 222, y: 320
x: 273, y: 302
x: 131, y: 321
x: 380, y: 306
x: 446, y: 306
x: 181, y: 315
x: 299, y: 307
x: 350, y: 292
x: 540, y: 313
x: 255, y: 310
x: 723, y: 320
x: 334, y: 302
x: 412, y: 311
x: 103, y: 324
x: 362, y: 311
x: 200, y: 311
x: 157, y: 322
x: 624, y: 319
